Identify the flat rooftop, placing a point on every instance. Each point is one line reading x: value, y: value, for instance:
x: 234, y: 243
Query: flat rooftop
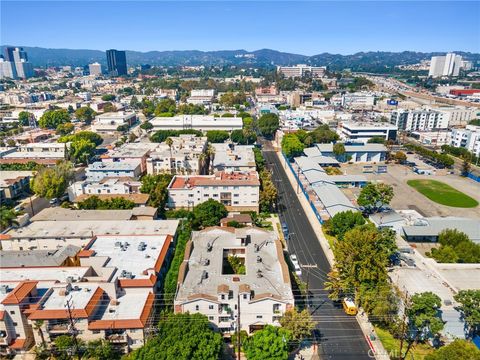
x: 233, y: 155
x: 43, y: 274
x: 60, y: 214
x: 432, y: 226
x: 127, y: 306
x: 79, y: 298
x: 23, y: 258
x: 274, y: 280
x: 220, y: 178
x: 461, y: 276
x: 88, y: 229
x: 127, y: 253
x: 114, y: 165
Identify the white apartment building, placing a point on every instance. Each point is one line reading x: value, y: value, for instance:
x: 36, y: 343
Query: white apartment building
x: 468, y: 138
x: 358, y: 100
x: 363, y: 131
x: 197, y: 122
x: 201, y: 97
x: 183, y: 157
x: 105, y: 186
x: 301, y: 70
x: 424, y: 119
x: 85, y: 95
x: 210, y: 286
x: 458, y: 115
x: 238, y: 191
x: 436, y: 138
x: 130, y: 152
x: 448, y: 65
x: 95, y: 69
x: 109, y: 122
x: 230, y: 157
x: 100, y: 170
x: 42, y: 153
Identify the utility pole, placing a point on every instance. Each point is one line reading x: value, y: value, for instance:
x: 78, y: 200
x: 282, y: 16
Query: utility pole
x: 72, y: 330
x: 308, y: 266
x: 238, y: 327
x: 298, y: 178
x: 404, y: 319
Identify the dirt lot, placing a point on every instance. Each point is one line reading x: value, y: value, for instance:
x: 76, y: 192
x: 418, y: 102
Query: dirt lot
x: 408, y: 198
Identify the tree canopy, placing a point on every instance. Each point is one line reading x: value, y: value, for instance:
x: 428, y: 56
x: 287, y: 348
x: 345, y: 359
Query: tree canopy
x: 52, y: 118
x: 217, y: 136
x: 156, y: 187
x: 162, y: 135
x: 291, y: 146
x: 470, y: 309
x: 299, y: 323
x: 344, y: 221
x: 268, y: 124
x: 455, y: 247
x: 86, y: 135
x: 208, y: 213
x: 423, y: 316
x: 373, y: 195
x: 52, y: 182
x: 85, y: 114
x: 458, y: 349
x: 95, y: 203
x: 269, y: 343
x: 182, y: 337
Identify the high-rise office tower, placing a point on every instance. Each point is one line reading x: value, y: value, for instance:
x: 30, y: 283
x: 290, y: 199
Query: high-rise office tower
x: 9, y: 53
x: 95, y: 69
x: 17, y: 59
x: 7, y: 69
x: 116, y: 62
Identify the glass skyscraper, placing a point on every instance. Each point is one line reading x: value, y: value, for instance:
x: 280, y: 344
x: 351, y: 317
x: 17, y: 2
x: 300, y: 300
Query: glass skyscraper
x: 116, y: 62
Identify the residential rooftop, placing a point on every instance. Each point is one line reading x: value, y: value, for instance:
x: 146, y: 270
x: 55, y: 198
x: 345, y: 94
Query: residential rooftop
x: 230, y: 155
x: 40, y: 258
x: 60, y: 214
x: 434, y: 225
x: 218, y: 179
x: 202, y: 270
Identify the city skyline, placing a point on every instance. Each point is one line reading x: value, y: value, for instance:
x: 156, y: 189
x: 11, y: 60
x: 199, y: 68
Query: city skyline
x: 334, y: 27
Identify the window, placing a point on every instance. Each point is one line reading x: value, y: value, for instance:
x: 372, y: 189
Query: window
x: 211, y: 318
x: 236, y: 195
x: 197, y: 307
x: 259, y: 316
x: 14, y: 323
x: 210, y: 307
x: 245, y: 296
x: 12, y: 312
x: 95, y: 331
x: 215, y: 195
x: 223, y: 296
x: 235, y: 202
x: 236, y: 187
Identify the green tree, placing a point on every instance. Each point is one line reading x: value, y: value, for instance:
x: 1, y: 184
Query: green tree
x: 66, y: 346
x: 217, y: 136
x: 156, y: 187
x: 85, y: 114
x: 269, y: 343
x: 373, y: 195
x: 322, y: 135
x: 400, y: 157
x: 268, y: 124
x: 24, y: 118
x: 147, y: 125
x: 82, y: 135
x: 101, y: 350
x: 108, y: 97
x: 243, y: 137
x: 182, y: 337
x: 291, y: 146
x: 208, y: 213
x: 64, y: 129
x: 268, y: 191
x: 95, y: 203
x: 344, y: 221
x: 109, y: 107
x: 339, y: 150
x: 134, y: 103
x: 52, y: 182
x: 458, y: 349
x: 8, y: 217
x: 299, y: 323
x: 470, y: 309
x: 52, y: 118
x: 82, y: 150
x: 423, y: 316
x: 444, y: 254
x: 165, y: 106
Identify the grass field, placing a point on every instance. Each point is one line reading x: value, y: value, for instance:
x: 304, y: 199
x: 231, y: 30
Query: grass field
x: 392, y: 346
x: 442, y: 193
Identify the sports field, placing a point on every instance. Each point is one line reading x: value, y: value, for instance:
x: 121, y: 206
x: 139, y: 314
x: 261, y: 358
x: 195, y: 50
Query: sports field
x: 442, y: 193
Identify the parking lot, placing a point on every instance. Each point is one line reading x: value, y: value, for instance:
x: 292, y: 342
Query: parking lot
x: 408, y: 198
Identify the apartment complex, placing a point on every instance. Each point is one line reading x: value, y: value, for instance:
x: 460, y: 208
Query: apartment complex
x: 423, y: 119
x: 184, y: 156
x: 14, y: 184
x: 201, y: 97
x: 302, y: 70
x: 468, y: 138
x: 100, y: 170
x: 208, y: 284
x: 107, y: 185
x: 358, y: 100
x: 230, y: 157
x: 40, y: 153
x: 238, y: 191
x: 95, y: 69
x: 364, y: 131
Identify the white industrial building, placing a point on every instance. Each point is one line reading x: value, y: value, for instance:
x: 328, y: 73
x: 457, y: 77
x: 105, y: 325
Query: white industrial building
x: 364, y: 131
x: 109, y: 122
x: 358, y: 100
x: 468, y: 138
x: 197, y: 122
x: 238, y: 191
x: 363, y: 153
x: 302, y: 70
x: 207, y: 284
x: 95, y: 68
x: 201, y: 97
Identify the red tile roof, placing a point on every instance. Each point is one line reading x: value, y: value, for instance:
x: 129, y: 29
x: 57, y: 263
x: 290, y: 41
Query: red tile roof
x: 20, y: 292
x: 18, y: 344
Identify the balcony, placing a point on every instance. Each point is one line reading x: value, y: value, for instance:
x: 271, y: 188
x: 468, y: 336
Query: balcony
x: 117, y: 338
x: 58, y: 328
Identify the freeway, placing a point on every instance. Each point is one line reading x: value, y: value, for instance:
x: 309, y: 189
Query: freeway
x: 339, y: 336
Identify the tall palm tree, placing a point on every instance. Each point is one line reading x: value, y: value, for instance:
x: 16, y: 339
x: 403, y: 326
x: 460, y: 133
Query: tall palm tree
x: 37, y: 325
x: 202, y: 159
x: 169, y: 143
x: 7, y: 217
x: 211, y: 157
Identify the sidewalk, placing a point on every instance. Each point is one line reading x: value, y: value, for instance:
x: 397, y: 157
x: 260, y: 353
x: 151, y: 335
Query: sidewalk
x: 378, y: 351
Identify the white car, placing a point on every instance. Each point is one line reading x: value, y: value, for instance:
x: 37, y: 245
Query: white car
x: 296, y: 265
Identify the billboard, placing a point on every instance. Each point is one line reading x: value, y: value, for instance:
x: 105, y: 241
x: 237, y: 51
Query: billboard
x: 392, y: 102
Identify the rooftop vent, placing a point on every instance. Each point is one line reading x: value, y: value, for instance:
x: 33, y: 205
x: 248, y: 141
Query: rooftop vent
x: 259, y: 259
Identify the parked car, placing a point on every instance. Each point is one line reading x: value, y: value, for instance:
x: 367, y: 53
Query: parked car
x: 53, y: 201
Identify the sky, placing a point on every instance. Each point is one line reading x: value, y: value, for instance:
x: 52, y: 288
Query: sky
x: 307, y: 28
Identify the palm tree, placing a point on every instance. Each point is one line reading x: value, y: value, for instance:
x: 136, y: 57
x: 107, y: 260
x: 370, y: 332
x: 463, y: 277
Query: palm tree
x: 202, y: 159
x: 211, y: 157
x: 169, y: 143
x: 7, y: 217
x: 37, y: 325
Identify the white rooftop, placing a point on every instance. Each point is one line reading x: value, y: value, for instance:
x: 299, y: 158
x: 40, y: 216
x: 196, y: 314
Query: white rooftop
x: 43, y: 273
x: 79, y: 298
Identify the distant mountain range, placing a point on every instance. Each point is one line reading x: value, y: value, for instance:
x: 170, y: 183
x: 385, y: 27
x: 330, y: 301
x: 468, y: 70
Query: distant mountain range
x: 362, y: 61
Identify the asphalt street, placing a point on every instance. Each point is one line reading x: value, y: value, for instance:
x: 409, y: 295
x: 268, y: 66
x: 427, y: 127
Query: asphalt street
x: 339, y: 335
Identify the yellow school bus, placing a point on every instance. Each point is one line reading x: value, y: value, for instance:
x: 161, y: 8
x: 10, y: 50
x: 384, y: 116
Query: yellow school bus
x: 349, y: 306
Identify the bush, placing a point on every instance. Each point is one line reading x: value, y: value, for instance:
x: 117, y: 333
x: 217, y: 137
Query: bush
x: 162, y: 135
